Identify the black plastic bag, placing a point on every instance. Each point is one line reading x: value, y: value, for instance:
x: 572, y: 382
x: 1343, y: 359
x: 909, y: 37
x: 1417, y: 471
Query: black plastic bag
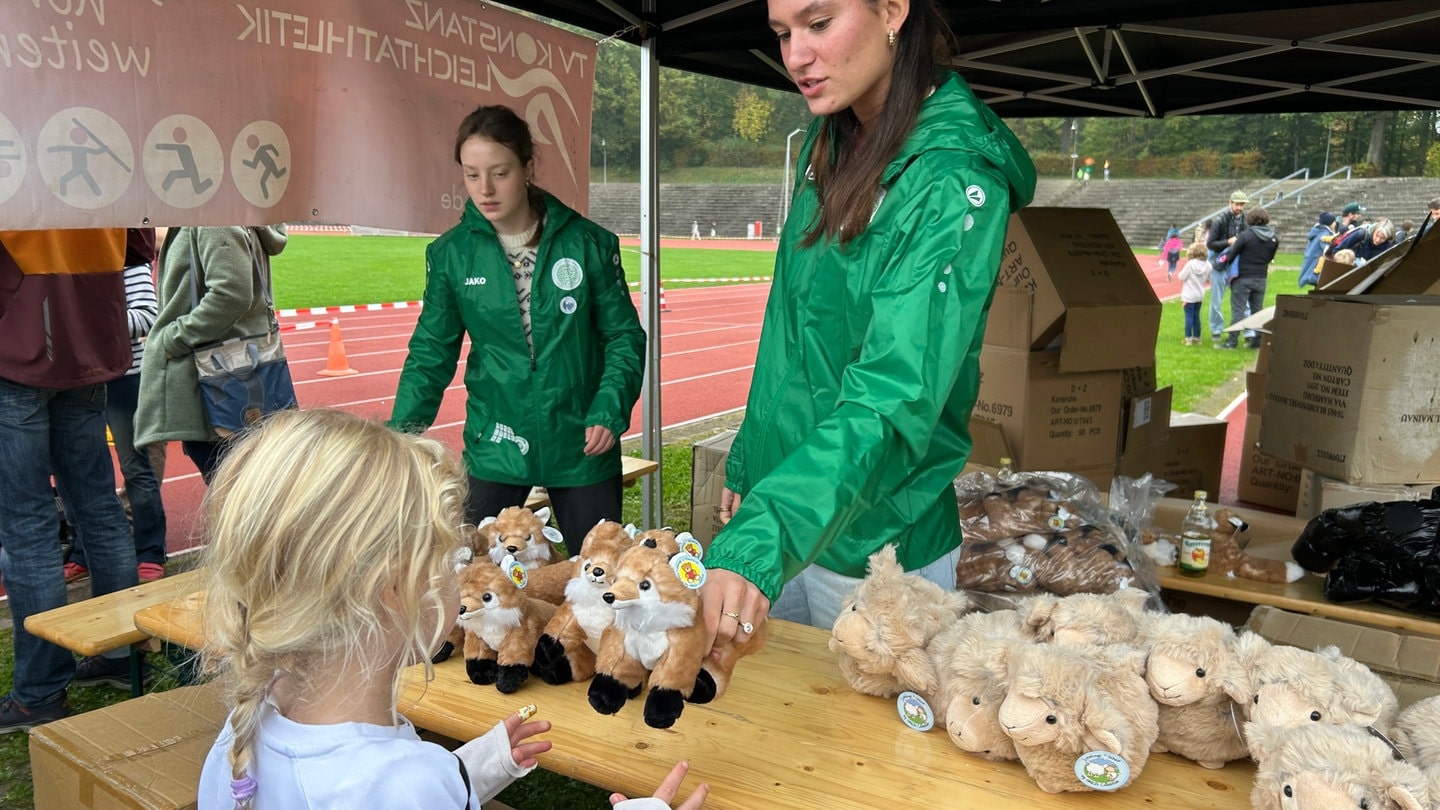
x: 1386, y: 552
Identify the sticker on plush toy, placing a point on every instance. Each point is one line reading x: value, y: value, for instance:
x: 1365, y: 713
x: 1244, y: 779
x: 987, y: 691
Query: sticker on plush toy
x: 689, y: 569
x: 1102, y: 770
x: 1022, y: 574
x: 515, y: 570
x: 553, y: 534
x: 690, y: 545
x: 915, y: 711
x: 1057, y: 520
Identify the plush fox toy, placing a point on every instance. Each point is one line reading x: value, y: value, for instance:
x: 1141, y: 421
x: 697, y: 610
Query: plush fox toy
x: 501, y: 623
x: 566, y: 650
x: 522, y: 534
x: 657, y: 629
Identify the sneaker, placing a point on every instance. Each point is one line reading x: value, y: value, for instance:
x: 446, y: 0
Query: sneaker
x: 14, y: 717
x: 149, y: 572
x: 1216, y: 335
x: 1252, y: 343
x: 74, y: 571
x: 1229, y: 344
x: 95, y: 669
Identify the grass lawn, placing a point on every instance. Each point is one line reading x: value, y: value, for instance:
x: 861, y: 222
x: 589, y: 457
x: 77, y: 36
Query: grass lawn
x: 318, y: 271
x: 328, y: 270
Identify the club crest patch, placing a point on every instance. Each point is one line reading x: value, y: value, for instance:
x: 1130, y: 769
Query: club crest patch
x: 975, y: 195
x: 566, y: 274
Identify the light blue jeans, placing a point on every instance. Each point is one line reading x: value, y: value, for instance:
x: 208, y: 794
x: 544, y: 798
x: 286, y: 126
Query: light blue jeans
x: 1218, y: 285
x: 814, y: 596
x: 45, y: 431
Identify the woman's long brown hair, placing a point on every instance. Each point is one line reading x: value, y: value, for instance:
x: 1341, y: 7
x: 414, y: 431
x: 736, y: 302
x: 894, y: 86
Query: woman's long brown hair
x: 846, y: 167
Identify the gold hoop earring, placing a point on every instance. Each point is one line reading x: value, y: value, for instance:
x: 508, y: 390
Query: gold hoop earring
x: 891, y: 37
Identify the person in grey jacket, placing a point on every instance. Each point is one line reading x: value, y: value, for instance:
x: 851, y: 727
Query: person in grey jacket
x: 231, y: 303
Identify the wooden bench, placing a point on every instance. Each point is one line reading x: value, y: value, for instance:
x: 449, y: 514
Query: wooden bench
x: 105, y: 623
x: 632, y: 469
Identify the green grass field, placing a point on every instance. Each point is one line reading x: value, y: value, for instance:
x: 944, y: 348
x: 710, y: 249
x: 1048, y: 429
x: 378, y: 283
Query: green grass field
x: 319, y: 271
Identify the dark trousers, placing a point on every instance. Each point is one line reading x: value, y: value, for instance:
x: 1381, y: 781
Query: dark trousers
x: 577, y: 509
x: 206, y: 455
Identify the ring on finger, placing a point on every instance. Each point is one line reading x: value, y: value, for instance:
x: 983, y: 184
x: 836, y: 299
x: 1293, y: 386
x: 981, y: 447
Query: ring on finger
x: 745, y: 626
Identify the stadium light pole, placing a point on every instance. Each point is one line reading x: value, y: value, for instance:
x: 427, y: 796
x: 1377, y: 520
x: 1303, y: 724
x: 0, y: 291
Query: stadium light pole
x: 604, y: 163
x: 1074, y: 145
x: 785, y: 185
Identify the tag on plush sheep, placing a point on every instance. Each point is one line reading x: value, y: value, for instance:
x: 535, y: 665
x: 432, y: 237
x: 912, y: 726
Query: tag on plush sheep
x: 515, y: 569
x: 689, y: 569
x: 915, y: 711
x: 1102, y: 770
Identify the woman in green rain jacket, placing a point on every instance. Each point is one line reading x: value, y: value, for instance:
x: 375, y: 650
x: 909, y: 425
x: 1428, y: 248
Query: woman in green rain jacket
x: 868, y: 364
x: 556, y: 347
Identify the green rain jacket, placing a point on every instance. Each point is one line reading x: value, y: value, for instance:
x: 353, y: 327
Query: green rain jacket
x: 868, y: 364
x: 525, y: 416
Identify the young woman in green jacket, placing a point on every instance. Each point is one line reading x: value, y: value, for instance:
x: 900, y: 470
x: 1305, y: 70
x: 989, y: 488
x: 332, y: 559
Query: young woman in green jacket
x: 556, y: 347
x: 868, y: 364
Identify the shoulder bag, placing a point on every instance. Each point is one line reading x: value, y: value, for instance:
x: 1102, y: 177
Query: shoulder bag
x: 242, y: 379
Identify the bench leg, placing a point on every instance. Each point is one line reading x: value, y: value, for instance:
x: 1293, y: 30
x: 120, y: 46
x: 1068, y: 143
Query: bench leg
x: 137, y: 672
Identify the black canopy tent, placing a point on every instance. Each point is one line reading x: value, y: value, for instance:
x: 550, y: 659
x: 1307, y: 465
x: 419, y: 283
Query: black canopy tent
x: 1027, y: 58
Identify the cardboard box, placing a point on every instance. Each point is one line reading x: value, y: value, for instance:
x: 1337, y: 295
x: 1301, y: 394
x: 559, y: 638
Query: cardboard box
x: 988, y: 446
x: 1414, y: 269
x: 1319, y: 492
x: 1354, y: 387
x: 1409, y: 663
x: 1145, y: 418
x: 1254, y: 392
x: 142, y: 753
x: 1084, y: 284
x: 1264, y: 479
x: 1194, y: 456
x: 1051, y: 421
x: 707, y: 479
x: 1137, y: 380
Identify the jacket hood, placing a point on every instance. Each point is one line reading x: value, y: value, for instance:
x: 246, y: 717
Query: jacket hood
x: 556, y: 214
x: 1263, y: 231
x: 272, y: 238
x: 955, y: 118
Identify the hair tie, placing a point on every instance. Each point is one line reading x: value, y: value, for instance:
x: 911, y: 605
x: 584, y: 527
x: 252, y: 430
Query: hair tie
x: 242, y: 789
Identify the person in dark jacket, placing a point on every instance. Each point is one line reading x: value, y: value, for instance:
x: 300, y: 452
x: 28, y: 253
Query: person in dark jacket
x: 1379, y: 238
x: 868, y: 364
x: 556, y: 347
x: 1224, y: 229
x: 1251, y: 255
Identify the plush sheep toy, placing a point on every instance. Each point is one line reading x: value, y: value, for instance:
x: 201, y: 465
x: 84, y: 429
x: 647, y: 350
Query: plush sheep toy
x: 1327, y: 767
x: 1417, y: 734
x: 1197, y: 672
x: 972, y: 686
x: 885, y: 626
x: 1085, y: 618
x: 1081, y: 717
x: 1294, y: 687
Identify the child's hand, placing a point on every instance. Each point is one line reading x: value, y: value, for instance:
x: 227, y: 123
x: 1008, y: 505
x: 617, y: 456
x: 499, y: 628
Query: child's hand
x: 670, y: 786
x: 523, y: 752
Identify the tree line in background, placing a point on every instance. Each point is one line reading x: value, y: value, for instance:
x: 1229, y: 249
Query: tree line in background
x: 705, y: 121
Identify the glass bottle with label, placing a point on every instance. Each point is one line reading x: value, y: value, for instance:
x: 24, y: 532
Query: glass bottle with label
x: 1006, y: 471
x: 1195, y: 537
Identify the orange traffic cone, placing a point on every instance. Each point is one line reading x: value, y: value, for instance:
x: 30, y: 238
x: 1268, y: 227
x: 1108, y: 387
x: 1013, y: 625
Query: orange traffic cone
x: 663, y: 306
x: 336, y: 365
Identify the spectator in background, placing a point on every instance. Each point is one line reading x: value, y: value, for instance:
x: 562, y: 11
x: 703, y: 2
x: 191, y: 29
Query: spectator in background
x: 1107, y: 179
x: 1351, y: 217
x: 1435, y: 212
x: 1170, y: 248
x: 1381, y: 238
x: 1251, y: 255
x: 1314, y: 246
x: 1192, y: 290
x: 214, y: 286
x: 1406, y: 229
x: 62, y: 315
x: 142, y: 487
x: 1224, y: 229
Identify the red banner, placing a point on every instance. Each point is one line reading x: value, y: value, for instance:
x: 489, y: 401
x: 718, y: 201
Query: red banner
x: 190, y: 112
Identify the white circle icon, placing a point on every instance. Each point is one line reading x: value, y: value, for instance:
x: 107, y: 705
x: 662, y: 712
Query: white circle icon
x: 86, y: 158
x: 260, y: 163
x: 184, y: 163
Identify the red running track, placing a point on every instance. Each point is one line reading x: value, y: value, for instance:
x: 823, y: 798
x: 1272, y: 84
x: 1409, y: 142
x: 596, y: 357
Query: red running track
x: 708, y: 343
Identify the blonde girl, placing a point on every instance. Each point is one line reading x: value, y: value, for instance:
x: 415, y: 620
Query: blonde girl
x: 329, y: 546
x: 1193, y: 277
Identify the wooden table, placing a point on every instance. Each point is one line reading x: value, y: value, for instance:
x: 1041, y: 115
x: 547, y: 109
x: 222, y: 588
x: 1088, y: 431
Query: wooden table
x: 632, y: 469
x: 1272, y: 536
x: 788, y: 734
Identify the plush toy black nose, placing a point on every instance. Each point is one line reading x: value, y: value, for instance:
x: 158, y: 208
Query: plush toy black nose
x: 597, y: 572
x: 609, y: 598
x: 462, y: 610
x: 512, y: 549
